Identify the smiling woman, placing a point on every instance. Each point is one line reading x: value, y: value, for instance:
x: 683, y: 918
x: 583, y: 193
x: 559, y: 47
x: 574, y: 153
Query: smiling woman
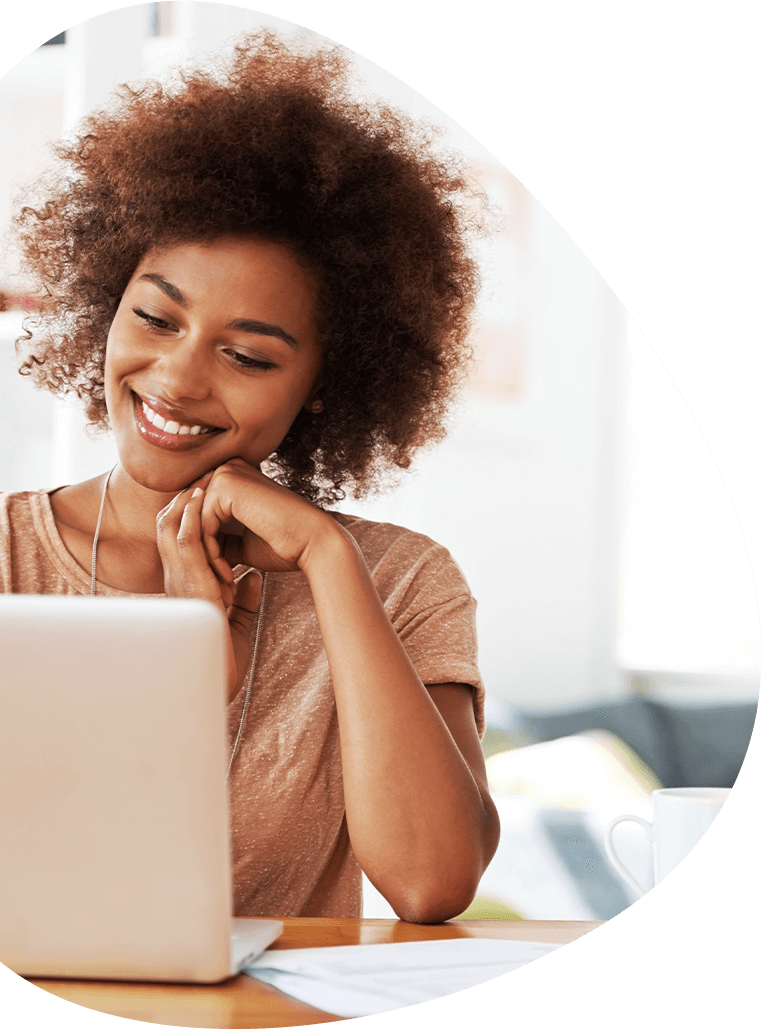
x: 263, y: 288
x: 175, y: 358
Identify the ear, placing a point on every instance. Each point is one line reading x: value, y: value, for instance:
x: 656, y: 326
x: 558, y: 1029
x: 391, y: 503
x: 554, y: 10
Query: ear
x: 313, y: 403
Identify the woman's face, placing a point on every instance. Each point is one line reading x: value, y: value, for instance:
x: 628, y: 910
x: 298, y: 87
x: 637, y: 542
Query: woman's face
x: 211, y: 355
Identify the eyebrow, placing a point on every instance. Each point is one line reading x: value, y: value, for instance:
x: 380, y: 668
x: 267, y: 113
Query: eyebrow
x: 242, y: 325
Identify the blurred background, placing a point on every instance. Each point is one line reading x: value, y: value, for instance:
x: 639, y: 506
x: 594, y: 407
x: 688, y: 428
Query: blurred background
x: 618, y: 625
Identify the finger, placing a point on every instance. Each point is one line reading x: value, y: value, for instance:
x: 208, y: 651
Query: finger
x: 170, y: 517
x: 192, y: 521
x: 173, y: 512
x: 211, y: 544
x: 223, y: 571
x: 245, y: 607
x: 218, y: 562
x: 189, y: 530
x: 214, y: 524
x: 211, y: 523
x: 203, y: 482
x: 168, y: 523
x: 190, y: 550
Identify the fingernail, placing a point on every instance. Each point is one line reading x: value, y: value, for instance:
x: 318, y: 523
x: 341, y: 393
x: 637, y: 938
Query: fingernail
x: 196, y: 492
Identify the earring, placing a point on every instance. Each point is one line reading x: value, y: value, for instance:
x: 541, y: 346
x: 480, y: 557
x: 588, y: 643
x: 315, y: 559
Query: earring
x: 316, y: 407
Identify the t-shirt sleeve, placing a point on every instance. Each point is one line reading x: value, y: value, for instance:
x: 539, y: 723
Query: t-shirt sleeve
x: 5, y: 547
x: 428, y: 602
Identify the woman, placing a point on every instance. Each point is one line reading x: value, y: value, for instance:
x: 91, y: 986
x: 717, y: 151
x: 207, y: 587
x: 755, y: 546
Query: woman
x: 263, y: 289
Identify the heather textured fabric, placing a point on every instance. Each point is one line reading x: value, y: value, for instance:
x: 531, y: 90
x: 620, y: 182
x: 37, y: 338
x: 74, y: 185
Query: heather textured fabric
x: 290, y: 846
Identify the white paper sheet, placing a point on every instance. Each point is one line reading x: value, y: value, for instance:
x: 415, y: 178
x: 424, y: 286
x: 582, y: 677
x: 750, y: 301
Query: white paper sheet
x: 360, y: 980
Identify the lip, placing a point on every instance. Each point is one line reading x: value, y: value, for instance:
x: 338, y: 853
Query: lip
x: 173, y: 414
x: 169, y: 441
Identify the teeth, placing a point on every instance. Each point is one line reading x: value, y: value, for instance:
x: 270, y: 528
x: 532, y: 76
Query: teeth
x: 173, y: 428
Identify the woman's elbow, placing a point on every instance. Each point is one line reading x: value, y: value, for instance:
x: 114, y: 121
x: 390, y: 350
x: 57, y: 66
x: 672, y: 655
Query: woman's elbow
x: 444, y: 890
x: 435, y: 902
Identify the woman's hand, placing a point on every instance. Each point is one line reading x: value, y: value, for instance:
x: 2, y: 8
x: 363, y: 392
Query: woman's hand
x: 233, y: 516
x: 250, y: 520
x: 187, y: 573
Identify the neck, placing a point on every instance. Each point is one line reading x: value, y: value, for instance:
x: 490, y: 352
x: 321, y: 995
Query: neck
x: 133, y: 508
x: 130, y: 559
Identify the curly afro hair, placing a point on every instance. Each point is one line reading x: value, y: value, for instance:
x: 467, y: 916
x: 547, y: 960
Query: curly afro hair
x: 274, y: 145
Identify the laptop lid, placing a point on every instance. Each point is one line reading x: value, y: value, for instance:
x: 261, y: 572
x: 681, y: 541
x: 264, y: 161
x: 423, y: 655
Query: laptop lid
x: 114, y: 846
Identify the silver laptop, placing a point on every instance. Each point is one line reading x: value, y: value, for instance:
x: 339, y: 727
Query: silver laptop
x: 114, y: 843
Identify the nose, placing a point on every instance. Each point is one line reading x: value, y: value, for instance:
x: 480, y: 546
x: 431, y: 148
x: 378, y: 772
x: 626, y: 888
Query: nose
x: 184, y: 369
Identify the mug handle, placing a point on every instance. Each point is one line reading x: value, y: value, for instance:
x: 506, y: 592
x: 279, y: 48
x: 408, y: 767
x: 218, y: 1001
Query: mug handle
x: 614, y: 858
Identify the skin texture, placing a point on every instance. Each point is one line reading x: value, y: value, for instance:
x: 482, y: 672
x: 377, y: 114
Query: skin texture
x: 176, y: 520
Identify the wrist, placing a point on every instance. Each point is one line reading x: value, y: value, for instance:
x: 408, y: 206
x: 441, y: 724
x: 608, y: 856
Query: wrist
x: 328, y: 549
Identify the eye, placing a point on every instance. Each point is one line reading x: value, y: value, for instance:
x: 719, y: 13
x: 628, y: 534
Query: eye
x: 247, y: 361
x: 151, y: 320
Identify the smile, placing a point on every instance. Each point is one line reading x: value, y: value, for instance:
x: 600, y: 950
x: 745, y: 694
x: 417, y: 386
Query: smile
x: 171, y: 428
x: 169, y: 434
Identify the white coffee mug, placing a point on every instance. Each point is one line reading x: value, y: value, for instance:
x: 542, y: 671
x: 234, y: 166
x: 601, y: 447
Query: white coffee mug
x: 681, y: 817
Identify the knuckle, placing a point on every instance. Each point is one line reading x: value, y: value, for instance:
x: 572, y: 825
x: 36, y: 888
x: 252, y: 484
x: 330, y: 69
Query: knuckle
x: 163, y: 520
x: 185, y: 540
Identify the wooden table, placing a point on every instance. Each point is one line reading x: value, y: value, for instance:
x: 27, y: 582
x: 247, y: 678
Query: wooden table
x: 244, y: 1002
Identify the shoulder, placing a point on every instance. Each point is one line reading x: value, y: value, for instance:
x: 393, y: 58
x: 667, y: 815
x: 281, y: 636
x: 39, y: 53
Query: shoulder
x: 20, y: 506
x: 23, y: 536
x: 384, y: 541
x: 404, y: 562
x: 384, y: 535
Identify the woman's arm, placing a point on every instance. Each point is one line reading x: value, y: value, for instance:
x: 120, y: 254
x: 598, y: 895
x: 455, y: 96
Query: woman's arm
x: 419, y: 814
x: 420, y: 818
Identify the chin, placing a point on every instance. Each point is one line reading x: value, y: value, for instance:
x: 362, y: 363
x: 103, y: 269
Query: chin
x: 160, y: 477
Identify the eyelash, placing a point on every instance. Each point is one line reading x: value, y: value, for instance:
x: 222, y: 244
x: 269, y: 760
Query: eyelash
x: 242, y: 360
x: 154, y: 323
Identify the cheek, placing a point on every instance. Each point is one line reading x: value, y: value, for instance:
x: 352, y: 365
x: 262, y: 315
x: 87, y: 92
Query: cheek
x: 112, y: 349
x: 108, y: 367
x: 117, y: 364
x: 122, y: 355
x: 268, y: 420
x: 111, y: 369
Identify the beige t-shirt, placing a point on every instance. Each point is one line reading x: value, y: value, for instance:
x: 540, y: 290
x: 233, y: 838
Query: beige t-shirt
x: 290, y: 846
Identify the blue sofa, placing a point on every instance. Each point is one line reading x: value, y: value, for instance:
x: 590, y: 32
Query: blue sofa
x: 698, y: 746
x: 685, y: 746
